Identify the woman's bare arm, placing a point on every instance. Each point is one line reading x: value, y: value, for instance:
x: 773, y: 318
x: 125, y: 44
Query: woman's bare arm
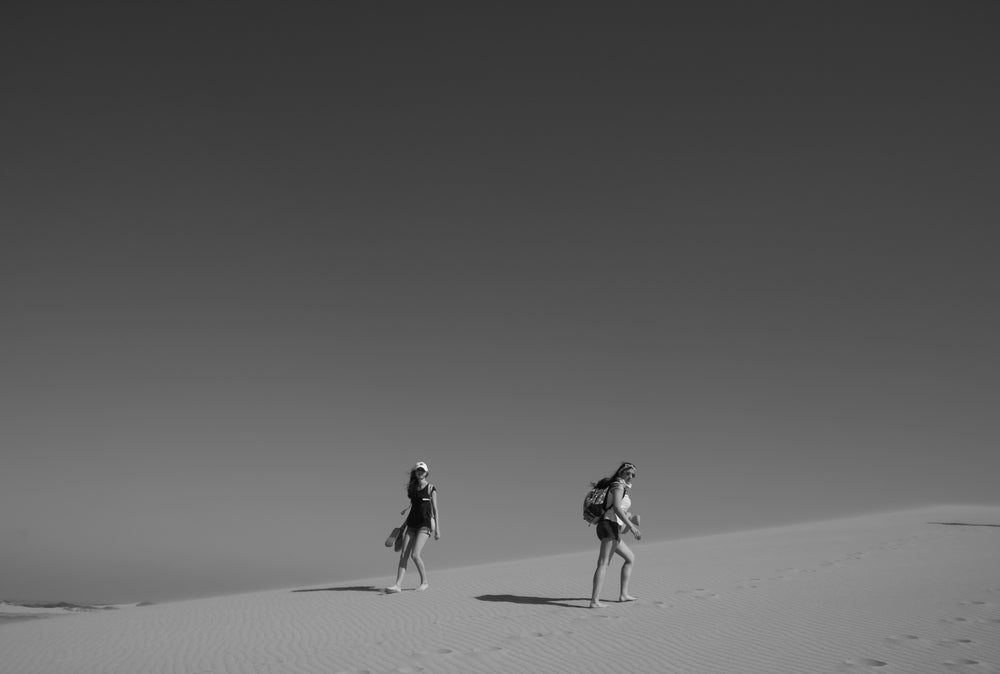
x: 435, y: 515
x: 617, y: 492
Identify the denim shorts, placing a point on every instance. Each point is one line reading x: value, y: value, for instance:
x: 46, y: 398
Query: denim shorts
x: 413, y: 531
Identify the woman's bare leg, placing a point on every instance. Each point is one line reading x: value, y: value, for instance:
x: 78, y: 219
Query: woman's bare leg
x: 629, y: 558
x: 418, y: 545
x: 603, y: 559
x: 403, y: 556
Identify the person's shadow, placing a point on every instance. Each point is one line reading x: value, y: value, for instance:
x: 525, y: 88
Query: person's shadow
x: 544, y: 601
x: 352, y: 588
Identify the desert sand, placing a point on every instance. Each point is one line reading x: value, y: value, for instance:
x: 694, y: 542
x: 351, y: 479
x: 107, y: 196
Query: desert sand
x: 912, y: 591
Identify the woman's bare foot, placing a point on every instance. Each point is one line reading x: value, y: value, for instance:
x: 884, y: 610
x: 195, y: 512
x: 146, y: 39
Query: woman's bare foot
x: 626, y: 597
x: 596, y: 604
x: 422, y: 587
x: 392, y: 589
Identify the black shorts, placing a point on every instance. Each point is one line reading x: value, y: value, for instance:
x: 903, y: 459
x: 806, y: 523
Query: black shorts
x: 608, y: 529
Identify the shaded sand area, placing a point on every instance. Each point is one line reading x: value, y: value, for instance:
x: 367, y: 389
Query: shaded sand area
x: 15, y: 611
x: 912, y: 591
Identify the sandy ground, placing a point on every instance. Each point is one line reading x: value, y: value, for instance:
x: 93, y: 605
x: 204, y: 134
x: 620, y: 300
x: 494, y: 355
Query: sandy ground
x: 913, y: 591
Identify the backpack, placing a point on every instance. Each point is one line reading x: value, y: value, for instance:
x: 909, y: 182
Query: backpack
x: 594, y: 504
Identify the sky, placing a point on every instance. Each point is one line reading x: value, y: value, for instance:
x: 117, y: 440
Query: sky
x: 259, y: 260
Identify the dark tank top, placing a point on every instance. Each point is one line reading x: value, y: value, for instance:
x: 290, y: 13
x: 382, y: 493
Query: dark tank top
x: 421, y: 508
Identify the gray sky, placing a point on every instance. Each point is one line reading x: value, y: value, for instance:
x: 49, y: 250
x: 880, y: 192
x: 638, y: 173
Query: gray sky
x: 257, y: 264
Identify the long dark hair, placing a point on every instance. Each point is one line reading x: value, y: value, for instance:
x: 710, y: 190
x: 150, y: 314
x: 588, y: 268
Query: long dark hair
x: 605, y: 481
x: 414, y: 485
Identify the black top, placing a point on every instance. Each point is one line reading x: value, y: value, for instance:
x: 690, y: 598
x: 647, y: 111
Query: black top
x: 421, y: 508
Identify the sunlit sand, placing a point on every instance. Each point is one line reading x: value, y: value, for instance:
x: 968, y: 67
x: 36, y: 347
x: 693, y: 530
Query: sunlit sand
x: 912, y: 591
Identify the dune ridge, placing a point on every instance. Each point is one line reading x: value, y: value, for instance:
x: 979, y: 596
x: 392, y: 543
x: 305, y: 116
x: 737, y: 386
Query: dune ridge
x: 911, y: 591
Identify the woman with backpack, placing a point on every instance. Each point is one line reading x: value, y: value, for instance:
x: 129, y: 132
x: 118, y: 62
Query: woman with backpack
x: 420, y: 524
x: 609, y: 528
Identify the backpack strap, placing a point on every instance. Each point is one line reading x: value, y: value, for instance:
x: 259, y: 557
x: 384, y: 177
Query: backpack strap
x: 608, y: 495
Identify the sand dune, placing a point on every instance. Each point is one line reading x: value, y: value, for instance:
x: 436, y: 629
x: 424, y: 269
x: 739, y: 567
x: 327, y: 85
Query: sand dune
x: 913, y: 591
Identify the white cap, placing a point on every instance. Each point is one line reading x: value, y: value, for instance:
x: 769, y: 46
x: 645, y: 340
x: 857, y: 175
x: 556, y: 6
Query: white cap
x: 421, y: 464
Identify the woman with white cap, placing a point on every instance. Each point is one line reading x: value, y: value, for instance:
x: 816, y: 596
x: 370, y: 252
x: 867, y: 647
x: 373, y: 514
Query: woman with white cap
x: 420, y: 524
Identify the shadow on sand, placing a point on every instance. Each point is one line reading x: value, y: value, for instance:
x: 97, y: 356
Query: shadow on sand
x: 19, y: 617
x: 964, y: 524
x: 352, y: 588
x: 545, y: 601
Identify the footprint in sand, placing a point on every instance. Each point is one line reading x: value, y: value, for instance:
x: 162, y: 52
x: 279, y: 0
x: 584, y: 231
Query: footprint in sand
x: 538, y: 635
x: 865, y: 662
x: 434, y: 651
x: 909, y: 639
x: 595, y: 615
x: 522, y: 637
x: 962, y: 662
x: 698, y: 593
